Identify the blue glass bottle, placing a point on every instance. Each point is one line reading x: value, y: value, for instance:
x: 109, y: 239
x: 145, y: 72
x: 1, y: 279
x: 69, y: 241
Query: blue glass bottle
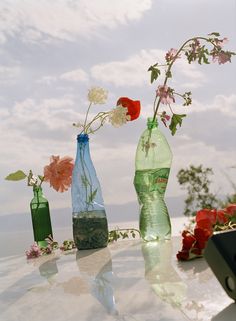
x: 90, y: 228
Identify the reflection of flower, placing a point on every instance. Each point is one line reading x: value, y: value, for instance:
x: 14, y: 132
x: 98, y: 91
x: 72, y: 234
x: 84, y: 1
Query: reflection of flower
x: 59, y: 173
x: 207, y: 222
x: 126, y: 110
x: 195, y: 50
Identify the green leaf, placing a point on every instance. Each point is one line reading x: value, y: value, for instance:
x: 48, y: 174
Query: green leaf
x: 17, y: 176
x: 214, y: 34
x: 85, y: 181
x: 176, y: 120
x: 155, y: 72
x: 92, y: 195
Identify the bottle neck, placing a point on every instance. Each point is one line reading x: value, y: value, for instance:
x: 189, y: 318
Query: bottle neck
x: 82, y: 147
x: 82, y: 138
x: 151, y: 124
x: 37, y: 191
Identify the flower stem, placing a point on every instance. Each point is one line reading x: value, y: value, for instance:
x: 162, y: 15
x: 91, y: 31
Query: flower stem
x: 86, y: 117
x: 156, y: 105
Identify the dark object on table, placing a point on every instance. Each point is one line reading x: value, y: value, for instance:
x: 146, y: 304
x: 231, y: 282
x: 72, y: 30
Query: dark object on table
x: 220, y: 254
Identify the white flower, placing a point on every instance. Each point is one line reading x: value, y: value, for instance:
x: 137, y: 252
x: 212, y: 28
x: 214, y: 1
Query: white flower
x: 97, y: 95
x: 118, y: 116
x: 34, y: 180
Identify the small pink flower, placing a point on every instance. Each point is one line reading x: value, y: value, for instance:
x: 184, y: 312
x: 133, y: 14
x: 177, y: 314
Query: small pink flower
x: 222, y: 42
x: 195, y: 45
x: 33, y: 252
x: 166, y: 95
x: 164, y: 118
x: 221, y: 57
x: 171, y: 55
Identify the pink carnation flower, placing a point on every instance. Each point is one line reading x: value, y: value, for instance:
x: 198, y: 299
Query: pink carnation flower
x: 221, y: 43
x: 59, y: 173
x: 165, y: 93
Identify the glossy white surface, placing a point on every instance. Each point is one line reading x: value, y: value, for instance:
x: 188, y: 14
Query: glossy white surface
x: 127, y: 281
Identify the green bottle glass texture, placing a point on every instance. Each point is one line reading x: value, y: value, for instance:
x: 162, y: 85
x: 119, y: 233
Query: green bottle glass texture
x: 152, y: 166
x: 40, y: 215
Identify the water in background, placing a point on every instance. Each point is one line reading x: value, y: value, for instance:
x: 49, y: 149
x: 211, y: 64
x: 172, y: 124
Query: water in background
x: 16, y: 233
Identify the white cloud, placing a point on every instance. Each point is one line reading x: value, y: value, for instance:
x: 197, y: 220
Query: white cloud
x: 133, y: 71
x: 47, y: 80
x: 75, y: 75
x: 8, y: 75
x: 64, y: 19
x: 225, y: 104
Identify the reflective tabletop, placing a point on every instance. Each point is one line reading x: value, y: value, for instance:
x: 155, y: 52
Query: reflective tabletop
x: 128, y: 280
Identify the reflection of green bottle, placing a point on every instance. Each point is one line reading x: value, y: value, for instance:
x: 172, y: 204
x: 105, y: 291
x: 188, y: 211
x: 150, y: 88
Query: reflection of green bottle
x: 40, y: 217
x: 152, y: 167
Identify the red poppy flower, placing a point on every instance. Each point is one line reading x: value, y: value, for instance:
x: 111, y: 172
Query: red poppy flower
x: 183, y: 255
x: 222, y: 216
x: 188, y: 240
x: 231, y: 209
x: 133, y: 106
x: 202, y: 237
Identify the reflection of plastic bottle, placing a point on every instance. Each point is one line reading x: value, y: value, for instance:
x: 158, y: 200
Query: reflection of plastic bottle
x: 152, y: 167
x: 160, y: 273
x: 97, y: 265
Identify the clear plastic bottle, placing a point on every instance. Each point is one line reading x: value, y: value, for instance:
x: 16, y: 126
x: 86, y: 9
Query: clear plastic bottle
x: 90, y: 228
x: 152, y: 166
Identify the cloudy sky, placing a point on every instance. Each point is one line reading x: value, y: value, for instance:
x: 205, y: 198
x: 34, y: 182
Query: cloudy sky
x: 52, y: 52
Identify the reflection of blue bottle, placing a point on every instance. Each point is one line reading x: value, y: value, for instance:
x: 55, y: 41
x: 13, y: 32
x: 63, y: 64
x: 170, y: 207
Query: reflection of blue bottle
x: 90, y: 228
x: 97, y: 265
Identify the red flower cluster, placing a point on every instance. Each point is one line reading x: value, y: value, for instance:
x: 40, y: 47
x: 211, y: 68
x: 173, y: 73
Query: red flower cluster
x: 207, y: 221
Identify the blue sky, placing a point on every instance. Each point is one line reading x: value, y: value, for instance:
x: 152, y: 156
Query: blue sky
x: 52, y: 52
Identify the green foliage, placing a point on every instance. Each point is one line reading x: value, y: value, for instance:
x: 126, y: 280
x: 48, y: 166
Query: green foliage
x: 92, y: 196
x: 197, y: 183
x: 176, y: 120
x: 155, y: 72
x: 16, y: 176
x: 115, y: 235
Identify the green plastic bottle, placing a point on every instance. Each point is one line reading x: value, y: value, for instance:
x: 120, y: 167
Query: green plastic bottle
x: 152, y: 166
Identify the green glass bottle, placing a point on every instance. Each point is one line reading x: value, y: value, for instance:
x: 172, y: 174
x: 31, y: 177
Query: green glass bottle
x: 152, y: 166
x: 40, y: 215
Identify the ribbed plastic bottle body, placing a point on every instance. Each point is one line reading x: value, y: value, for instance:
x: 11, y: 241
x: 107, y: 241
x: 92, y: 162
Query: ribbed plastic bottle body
x: 152, y: 166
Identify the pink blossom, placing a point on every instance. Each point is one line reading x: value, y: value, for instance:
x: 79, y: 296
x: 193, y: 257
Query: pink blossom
x: 165, y: 118
x: 171, y: 55
x: 221, y: 57
x: 33, y: 252
x: 59, y: 173
x: 166, y: 95
x: 222, y: 42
